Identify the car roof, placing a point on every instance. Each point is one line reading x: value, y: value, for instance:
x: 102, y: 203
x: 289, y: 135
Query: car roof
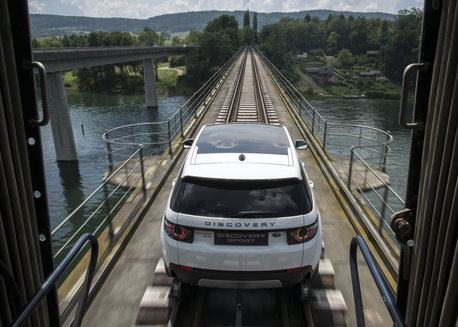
x: 242, y: 152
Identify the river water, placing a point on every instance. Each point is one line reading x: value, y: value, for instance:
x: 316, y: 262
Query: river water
x: 68, y: 184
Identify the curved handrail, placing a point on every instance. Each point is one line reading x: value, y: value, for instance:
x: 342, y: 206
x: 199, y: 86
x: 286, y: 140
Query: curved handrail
x: 388, y: 298
x: 52, y: 278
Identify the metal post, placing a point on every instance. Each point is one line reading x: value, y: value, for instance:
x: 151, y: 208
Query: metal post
x: 360, y: 135
x: 181, y: 121
x: 325, y: 134
x: 385, y: 201
x: 109, y: 154
x: 384, y: 158
x: 195, y: 110
x: 350, y: 169
x: 142, y: 170
x: 109, y: 217
x: 170, y: 138
x: 313, y: 121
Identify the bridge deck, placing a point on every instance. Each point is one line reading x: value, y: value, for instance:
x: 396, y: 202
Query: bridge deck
x: 117, y: 302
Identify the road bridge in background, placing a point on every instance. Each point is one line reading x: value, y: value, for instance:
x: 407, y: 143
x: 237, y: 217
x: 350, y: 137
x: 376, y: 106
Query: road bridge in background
x: 57, y: 61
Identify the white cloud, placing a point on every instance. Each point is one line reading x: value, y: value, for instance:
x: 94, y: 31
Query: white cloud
x: 36, y: 6
x: 150, y: 8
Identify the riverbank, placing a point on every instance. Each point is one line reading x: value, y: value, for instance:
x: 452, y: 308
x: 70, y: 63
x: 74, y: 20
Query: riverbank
x: 328, y: 78
x: 167, y: 83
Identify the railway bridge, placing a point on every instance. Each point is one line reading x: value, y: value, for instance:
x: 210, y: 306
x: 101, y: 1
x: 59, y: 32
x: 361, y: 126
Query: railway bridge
x: 246, y: 89
x: 125, y: 282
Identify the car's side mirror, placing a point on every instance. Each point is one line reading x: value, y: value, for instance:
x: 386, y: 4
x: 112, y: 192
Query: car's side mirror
x: 301, y: 145
x: 187, y: 143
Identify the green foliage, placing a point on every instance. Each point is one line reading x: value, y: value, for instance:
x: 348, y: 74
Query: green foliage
x: 52, y: 42
x: 176, y: 41
x: 402, y: 47
x: 273, y: 45
x: 161, y: 38
x: 246, y: 19
x: 216, y: 44
x: 192, y: 38
x: 345, y: 58
x: 147, y: 37
x: 255, y: 27
x: 397, y: 41
x: 177, y: 61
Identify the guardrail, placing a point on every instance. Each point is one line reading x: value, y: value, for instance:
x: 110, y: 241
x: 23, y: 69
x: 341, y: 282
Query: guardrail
x: 157, y: 137
x: 107, y: 199
x: 366, y: 149
x: 388, y: 298
x: 28, y: 309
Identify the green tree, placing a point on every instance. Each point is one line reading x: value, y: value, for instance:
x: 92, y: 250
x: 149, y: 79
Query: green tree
x: 35, y: 43
x: 402, y: 47
x: 255, y: 27
x: 52, y: 42
x: 345, y: 58
x: 119, y: 38
x: 216, y: 44
x: 332, y: 43
x: 358, y: 36
x: 176, y: 41
x: 227, y: 25
x: 162, y: 37
x: 274, y: 46
x: 147, y: 37
x: 246, y: 19
x: 192, y: 38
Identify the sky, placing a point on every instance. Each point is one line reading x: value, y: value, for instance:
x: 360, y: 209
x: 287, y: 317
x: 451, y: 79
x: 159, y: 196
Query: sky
x: 143, y: 9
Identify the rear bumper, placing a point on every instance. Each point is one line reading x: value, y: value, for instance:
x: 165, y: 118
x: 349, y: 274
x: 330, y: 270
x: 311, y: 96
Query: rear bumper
x: 242, y: 280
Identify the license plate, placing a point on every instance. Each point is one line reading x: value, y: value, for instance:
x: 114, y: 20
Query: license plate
x: 229, y: 237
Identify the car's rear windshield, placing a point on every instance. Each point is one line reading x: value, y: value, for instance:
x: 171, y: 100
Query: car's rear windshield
x: 241, y: 199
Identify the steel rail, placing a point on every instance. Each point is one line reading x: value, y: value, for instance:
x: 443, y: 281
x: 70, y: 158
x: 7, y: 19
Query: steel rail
x: 243, y: 93
x: 235, y: 97
x: 260, y: 101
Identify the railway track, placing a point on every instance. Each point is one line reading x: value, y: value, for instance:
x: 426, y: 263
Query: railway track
x: 169, y: 303
x: 247, y: 100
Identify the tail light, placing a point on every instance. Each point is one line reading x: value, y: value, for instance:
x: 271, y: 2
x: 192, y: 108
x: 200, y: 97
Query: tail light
x: 179, y: 233
x: 302, y: 234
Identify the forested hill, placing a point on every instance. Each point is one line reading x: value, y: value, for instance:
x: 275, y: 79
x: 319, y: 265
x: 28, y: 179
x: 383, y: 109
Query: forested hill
x: 55, y: 25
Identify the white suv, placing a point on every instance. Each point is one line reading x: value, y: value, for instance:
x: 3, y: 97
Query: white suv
x: 242, y: 212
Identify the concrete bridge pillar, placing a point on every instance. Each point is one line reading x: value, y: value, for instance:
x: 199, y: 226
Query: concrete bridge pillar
x: 186, y: 62
x: 150, y: 83
x: 59, y: 114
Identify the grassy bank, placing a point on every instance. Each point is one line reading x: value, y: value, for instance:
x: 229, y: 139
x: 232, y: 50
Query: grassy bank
x: 166, y: 81
x: 330, y: 78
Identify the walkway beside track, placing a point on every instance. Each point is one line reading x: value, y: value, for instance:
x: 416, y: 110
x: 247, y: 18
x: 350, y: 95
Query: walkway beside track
x: 117, y: 302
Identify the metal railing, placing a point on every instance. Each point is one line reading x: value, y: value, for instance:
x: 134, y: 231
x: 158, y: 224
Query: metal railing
x: 97, y: 211
x: 388, y: 298
x: 51, y: 280
x: 157, y: 137
x: 365, y: 149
